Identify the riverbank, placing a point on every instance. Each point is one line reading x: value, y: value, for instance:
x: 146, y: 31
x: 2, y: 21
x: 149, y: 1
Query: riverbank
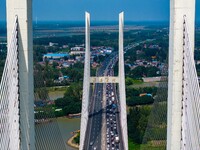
x: 71, y: 143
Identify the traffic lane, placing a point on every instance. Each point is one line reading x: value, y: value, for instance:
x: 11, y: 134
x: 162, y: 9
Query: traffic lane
x: 118, y: 117
x: 95, y: 137
x: 91, y: 108
x: 112, y: 116
x: 97, y: 122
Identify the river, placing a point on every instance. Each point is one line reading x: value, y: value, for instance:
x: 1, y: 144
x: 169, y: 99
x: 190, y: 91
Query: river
x: 64, y: 126
x: 52, y: 136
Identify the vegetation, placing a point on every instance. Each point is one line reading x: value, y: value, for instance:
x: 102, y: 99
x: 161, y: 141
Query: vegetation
x: 50, y: 73
x: 147, y: 127
x: 71, y: 102
x: 137, y: 123
x: 77, y: 138
x: 141, y: 71
x: 133, y: 96
x: 44, y: 112
x: 144, y: 100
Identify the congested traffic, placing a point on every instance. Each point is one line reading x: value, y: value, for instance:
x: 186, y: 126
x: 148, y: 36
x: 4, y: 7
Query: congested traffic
x: 112, y: 122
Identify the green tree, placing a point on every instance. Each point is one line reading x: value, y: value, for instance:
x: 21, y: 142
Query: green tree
x: 138, y: 72
x: 129, y: 81
x: 153, y: 71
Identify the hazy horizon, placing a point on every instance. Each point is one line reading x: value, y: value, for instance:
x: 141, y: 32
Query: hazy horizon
x: 100, y: 10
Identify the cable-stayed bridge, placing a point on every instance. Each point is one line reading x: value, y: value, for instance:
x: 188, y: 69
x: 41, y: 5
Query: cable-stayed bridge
x: 17, y: 126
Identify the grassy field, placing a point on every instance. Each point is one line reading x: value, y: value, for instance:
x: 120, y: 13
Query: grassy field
x: 56, y: 92
x: 159, y: 145
x: 57, y: 88
x: 144, y: 84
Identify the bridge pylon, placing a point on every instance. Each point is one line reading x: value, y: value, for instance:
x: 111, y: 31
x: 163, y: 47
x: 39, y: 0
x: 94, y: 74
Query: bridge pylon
x: 178, y: 9
x: 22, y: 9
x: 120, y: 79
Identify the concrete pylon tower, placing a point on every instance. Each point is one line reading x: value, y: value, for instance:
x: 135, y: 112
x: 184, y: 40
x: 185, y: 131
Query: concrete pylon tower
x: 178, y: 9
x: 122, y: 92
x: 103, y: 79
x: 23, y: 10
x: 86, y: 83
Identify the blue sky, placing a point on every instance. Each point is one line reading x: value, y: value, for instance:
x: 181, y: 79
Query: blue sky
x: 69, y: 10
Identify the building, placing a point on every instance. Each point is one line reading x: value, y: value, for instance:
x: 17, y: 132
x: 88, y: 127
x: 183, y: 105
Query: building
x: 66, y: 64
x: 77, y: 52
x: 53, y: 44
x: 55, y: 56
x: 77, y: 48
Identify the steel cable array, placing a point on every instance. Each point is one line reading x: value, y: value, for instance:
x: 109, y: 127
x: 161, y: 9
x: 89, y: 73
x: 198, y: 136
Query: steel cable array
x: 156, y: 130
x: 47, y: 132
x: 9, y: 96
x: 191, y: 97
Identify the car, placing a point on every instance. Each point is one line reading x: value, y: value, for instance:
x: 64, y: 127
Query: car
x: 91, y: 143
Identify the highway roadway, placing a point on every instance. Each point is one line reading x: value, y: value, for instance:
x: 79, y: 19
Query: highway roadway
x: 96, y: 139
x: 93, y: 135
x: 113, y: 128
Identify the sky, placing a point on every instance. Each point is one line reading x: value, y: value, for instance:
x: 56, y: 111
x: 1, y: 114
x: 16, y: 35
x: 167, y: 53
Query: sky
x: 100, y: 10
